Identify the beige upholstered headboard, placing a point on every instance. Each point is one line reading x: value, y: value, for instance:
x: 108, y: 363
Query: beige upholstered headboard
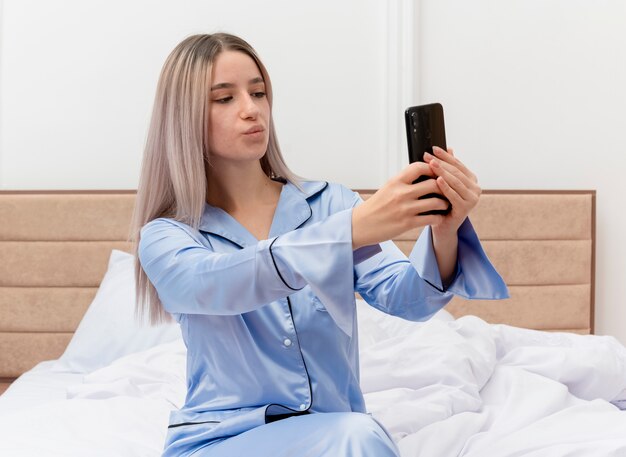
x: 543, y: 245
x: 55, y: 245
x: 54, y: 251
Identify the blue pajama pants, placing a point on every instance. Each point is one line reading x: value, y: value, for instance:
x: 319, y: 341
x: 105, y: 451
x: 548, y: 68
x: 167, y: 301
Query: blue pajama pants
x: 312, y: 435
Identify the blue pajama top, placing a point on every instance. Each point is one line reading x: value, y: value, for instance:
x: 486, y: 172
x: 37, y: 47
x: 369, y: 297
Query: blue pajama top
x: 270, y: 326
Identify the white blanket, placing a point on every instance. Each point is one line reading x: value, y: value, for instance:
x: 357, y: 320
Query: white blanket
x: 441, y: 388
x: 467, y: 388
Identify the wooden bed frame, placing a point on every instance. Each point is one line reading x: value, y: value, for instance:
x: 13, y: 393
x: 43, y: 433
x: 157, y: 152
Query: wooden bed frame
x: 55, y: 246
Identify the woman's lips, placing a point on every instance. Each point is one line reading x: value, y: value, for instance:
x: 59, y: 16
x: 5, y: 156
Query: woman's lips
x: 255, y: 133
x: 254, y: 130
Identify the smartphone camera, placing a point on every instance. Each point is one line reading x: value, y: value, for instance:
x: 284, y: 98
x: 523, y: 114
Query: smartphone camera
x: 414, y: 122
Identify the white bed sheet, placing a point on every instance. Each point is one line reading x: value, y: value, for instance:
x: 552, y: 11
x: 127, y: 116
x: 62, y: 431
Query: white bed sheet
x: 38, y: 415
x: 442, y: 388
x: 37, y: 386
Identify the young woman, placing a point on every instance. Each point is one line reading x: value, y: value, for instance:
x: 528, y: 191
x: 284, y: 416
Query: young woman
x: 260, y: 267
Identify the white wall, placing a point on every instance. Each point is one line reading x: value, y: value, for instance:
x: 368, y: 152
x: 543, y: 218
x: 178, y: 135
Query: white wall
x: 535, y: 98
x: 78, y: 80
x: 533, y: 93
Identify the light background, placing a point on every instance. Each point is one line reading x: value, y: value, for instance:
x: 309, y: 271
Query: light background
x: 533, y: 91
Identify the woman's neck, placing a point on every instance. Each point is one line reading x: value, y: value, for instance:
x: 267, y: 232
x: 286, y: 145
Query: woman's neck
x: 239, y: 188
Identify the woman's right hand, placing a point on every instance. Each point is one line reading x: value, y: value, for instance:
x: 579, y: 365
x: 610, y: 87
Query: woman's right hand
x: 394, y: 208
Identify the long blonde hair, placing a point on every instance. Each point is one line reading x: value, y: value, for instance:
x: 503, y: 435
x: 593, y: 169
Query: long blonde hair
x: 173, y: 180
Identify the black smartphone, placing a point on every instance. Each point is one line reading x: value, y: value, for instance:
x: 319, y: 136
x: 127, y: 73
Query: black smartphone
x: 425, y: 128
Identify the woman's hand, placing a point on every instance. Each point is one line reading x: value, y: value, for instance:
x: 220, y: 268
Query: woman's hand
x: 458, y: 184
x: 394, y: 208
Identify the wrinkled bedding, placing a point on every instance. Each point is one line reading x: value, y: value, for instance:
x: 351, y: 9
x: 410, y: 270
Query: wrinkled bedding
x: 442, y: 388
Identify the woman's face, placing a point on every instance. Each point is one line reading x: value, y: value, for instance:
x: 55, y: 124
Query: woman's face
x: 240, y: 112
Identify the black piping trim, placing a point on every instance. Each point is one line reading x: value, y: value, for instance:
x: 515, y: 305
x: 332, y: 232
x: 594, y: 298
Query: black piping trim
x: 276, y: 267
x: 276, y: 417
x: 306, y: 198
x: 307, y: 219
x: 308, y: 377
x: 192, y: 423
x: 438, y: 288
x: 272, y: 254
x: 317, y: 191
x: 444, y: 289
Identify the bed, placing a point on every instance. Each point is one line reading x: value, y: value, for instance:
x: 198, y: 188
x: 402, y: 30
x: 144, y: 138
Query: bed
x: 525, y: 376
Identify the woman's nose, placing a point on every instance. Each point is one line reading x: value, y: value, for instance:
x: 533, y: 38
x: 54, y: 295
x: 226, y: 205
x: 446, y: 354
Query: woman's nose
x: 249, y: 109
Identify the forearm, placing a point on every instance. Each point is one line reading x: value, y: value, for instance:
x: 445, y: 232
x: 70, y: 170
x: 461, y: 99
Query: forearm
x: 445, y: 245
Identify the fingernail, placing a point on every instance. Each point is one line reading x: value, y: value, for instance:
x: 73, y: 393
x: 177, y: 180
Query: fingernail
x: 427, y: 154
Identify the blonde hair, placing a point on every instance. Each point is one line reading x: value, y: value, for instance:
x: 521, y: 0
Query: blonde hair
x: 173, y: 180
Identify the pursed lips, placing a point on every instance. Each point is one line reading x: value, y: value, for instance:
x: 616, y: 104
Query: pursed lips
x: 255, y: 129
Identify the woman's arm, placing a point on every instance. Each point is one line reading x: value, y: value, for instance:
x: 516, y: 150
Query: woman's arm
x: 412, y: 288
x: 460, y: 186
x: 192, y: 278
x: 445, y: 246
x: 447, y: 258
x: 396, y: 206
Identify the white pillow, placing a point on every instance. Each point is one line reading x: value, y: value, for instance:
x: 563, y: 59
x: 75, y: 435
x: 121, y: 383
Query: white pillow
x: 109, y: 329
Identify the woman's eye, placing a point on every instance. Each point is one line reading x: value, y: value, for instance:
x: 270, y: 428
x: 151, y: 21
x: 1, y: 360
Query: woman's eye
x: 259, y: 94
x: 223, y: 100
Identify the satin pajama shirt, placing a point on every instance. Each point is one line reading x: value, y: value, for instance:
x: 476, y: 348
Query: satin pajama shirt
x: 271, y: 328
